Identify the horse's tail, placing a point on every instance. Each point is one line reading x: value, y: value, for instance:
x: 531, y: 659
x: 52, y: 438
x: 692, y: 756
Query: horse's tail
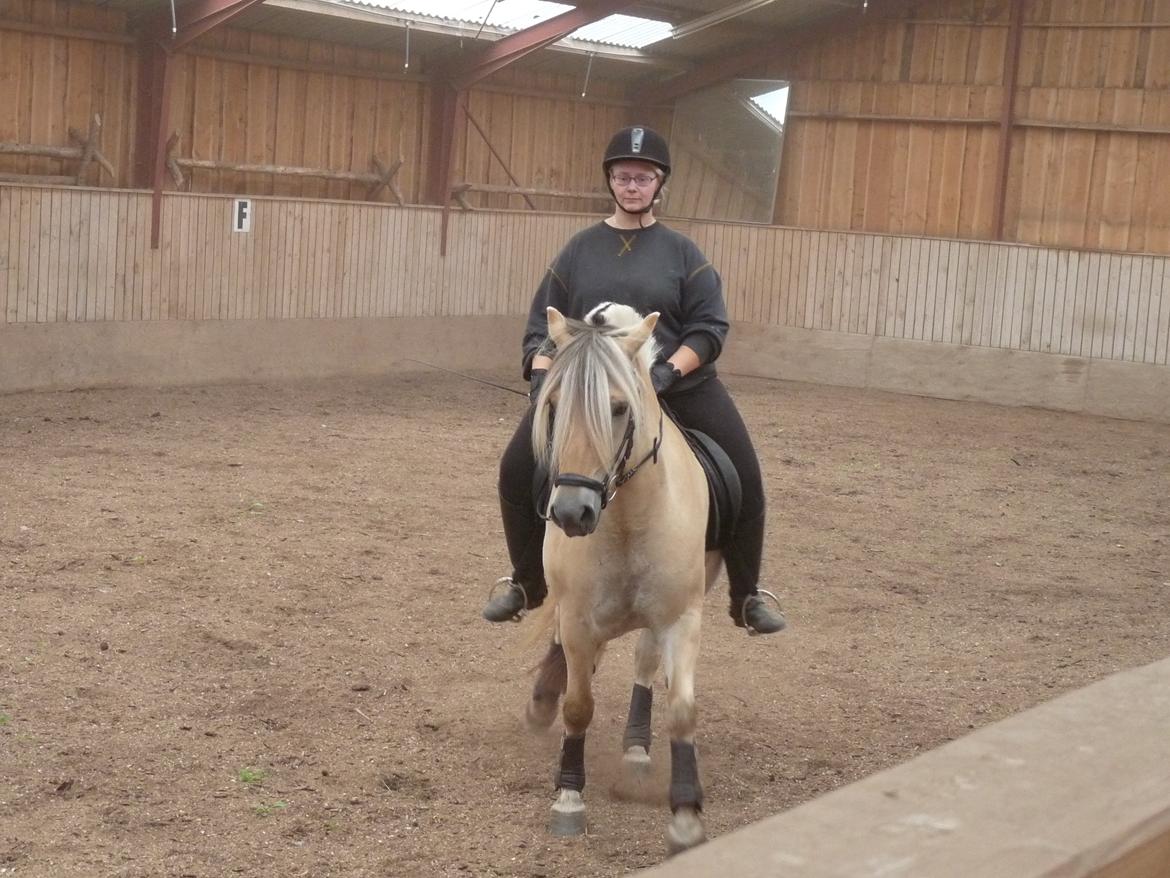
x: 552, y: 671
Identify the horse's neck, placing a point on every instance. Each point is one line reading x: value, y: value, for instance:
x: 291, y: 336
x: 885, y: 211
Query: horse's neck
x: 656, y: 475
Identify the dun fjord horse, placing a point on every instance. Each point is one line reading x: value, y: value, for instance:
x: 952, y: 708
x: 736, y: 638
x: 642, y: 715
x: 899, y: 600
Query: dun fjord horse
x: 629, y: 505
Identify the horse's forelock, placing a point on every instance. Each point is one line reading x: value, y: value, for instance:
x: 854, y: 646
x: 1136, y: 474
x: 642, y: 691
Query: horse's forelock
x: 583, y: 374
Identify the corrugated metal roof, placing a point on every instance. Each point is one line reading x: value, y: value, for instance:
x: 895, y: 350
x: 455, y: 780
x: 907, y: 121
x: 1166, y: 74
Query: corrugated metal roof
x: 624, y: 31
x: 434, y: 22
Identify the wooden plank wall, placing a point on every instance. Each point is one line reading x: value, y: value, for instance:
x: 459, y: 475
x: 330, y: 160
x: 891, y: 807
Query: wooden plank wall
x: 252, y: 98
x: 49, y: 83
x: 1083, y: 304
x: 83, y: 255
x: 894, y: 126
x: 549, y: 137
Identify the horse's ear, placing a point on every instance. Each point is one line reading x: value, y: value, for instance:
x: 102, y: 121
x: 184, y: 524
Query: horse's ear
x: 633, y: 339
x: 558, y: 328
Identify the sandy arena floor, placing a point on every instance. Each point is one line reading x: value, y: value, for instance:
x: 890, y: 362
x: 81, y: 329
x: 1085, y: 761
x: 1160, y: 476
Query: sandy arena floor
x: 240, y: 634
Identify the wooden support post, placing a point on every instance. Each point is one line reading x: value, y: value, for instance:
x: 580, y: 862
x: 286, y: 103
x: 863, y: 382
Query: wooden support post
x: 196, y: 18
x: 150, y: 141
x: 1011, y: 70
x: 445, y: 105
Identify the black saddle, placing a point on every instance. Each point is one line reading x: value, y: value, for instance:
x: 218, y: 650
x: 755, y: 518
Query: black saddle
x: 724, y: 489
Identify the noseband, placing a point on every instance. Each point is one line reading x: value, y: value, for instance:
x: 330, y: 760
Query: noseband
x: 617, y: 475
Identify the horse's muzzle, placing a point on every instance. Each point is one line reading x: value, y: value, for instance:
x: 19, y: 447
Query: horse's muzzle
x: 575, y: 510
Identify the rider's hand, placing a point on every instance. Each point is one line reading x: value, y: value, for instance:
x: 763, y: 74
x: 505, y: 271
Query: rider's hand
x: 663, y: 375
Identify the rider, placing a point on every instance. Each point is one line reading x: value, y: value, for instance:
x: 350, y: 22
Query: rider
x: 633, y: 259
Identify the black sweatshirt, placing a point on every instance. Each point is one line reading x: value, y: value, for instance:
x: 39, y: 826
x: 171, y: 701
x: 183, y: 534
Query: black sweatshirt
x: 650, y: 269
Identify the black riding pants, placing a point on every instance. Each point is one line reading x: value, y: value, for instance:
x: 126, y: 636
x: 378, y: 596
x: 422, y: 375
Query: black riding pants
x: 707, y: 407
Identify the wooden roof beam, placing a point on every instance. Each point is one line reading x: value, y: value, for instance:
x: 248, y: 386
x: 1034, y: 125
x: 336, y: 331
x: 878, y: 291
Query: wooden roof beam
x: 751, y: 59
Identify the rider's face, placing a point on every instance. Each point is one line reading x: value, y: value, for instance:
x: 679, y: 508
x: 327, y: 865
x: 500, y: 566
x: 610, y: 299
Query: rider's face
x: 634, y: 184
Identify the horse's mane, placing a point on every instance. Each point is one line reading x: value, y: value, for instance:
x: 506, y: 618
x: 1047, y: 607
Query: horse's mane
x: 584, y: 373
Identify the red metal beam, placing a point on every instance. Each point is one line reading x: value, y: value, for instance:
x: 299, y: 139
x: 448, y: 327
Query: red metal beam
x: 449, y: 86
x: 193, y: 19
x: 199, y: 16
x: 158, y: 42
x: 1011, y: 72
x: 154, y: 97
x: 752, y: 58
x: 515, y: 46
x: 445, y: 104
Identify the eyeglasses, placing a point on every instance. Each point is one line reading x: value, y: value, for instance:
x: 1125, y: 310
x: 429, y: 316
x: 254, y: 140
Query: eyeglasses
x: 641, y: 179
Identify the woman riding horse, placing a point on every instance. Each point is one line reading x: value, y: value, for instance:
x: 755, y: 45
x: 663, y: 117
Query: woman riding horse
x: 632, y: 259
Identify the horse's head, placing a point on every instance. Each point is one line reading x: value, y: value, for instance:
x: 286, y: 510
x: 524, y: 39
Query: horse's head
x: 599, y: 389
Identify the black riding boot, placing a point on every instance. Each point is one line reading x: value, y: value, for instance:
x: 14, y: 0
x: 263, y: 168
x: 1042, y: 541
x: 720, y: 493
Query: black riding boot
x: 742, y: 557
x: 526, y: 588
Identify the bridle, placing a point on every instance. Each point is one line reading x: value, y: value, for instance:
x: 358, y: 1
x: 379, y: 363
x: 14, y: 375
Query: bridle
x: 617, y: 475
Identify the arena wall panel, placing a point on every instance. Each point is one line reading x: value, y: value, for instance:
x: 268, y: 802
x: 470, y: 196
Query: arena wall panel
x: 1065, y: 329
x: 894, y: 126
x: 1078, y: 787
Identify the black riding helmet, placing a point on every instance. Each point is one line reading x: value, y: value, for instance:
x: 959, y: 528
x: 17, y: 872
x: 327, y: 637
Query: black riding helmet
x: 642, y: 144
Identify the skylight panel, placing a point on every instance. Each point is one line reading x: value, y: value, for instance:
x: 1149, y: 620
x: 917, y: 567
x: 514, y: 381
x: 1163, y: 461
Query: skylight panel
x: 773, y: 104
x: 625, y: 31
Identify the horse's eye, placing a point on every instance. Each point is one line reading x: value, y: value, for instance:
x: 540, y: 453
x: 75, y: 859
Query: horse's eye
x: 619, y: 409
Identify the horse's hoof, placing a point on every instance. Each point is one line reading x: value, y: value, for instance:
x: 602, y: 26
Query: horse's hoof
x: 540, y: 713
x: 568, y: 815
x: 636, y: 759
x: 685, y: 831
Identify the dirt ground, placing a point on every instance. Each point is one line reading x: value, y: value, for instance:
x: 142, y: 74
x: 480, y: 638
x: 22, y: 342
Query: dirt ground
x: 240, y: 633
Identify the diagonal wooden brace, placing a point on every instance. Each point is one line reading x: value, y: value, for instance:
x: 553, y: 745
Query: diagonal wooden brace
x: 387, y: 181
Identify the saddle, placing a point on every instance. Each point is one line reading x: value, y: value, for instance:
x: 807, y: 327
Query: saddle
x: 724, y: 489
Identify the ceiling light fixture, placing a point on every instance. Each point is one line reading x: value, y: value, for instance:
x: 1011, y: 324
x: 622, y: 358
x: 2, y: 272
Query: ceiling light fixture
x: 717, y: 17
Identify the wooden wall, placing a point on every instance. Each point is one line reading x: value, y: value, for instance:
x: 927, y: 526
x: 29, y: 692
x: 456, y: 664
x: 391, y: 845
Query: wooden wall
x: 1101, y: 305
x: 253, y: 98
x: 49, y: 83
x: 69, y: 255
x: 894, y: 126
x: 75, y: 255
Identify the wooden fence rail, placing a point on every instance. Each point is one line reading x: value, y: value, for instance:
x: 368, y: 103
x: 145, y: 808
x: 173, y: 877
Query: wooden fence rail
x: 85, y: 150
x: 382, y: 176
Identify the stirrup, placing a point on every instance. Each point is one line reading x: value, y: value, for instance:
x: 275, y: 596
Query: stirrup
x: 523, y: 611
x: 752, y: 632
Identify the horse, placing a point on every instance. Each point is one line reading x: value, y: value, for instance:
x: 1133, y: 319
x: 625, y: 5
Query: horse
x: 627, y: 551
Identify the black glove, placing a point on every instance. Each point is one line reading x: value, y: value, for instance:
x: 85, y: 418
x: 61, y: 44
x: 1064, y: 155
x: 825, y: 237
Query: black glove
x: 535, y: 379
x: 663, y: 375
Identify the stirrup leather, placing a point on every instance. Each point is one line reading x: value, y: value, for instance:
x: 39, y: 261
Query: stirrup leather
x: 752, y: 632
x: 523, y: 611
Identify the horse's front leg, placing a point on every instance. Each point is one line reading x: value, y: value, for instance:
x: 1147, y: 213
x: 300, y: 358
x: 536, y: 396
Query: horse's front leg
x: 686, y: 792
x: 568, y: 812
x: 636, y: 740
